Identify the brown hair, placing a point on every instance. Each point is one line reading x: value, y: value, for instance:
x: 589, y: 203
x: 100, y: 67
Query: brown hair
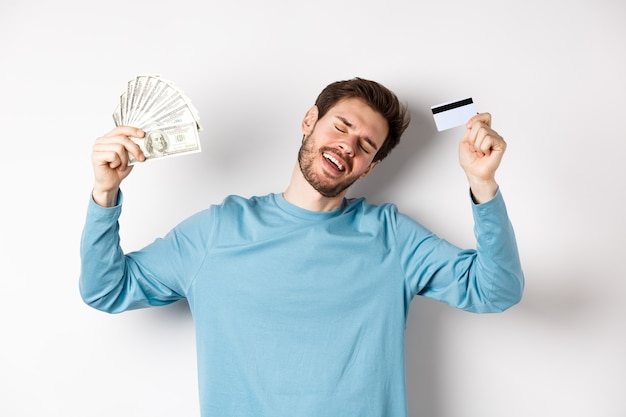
x: 378, y: 97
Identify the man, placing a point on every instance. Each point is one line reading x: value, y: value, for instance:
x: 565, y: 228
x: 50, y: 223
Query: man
x: 300, y: 299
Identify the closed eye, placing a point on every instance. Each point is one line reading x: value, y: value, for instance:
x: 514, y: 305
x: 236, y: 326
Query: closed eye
x: 365, y: 144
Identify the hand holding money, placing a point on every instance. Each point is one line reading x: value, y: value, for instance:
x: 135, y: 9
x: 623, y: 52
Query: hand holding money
x: 163, y: 112
x: 110, y: 156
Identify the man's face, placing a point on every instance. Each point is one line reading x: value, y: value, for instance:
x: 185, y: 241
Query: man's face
x: 339, y: 148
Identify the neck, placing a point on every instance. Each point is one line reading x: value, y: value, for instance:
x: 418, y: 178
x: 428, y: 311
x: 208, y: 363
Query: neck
x: 300, y: 193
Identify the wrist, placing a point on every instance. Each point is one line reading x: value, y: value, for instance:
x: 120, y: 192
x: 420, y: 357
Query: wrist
x: 483, y: 190
x: 105, y: 198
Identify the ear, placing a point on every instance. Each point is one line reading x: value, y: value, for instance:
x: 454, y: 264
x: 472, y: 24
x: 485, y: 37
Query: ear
x: 369, y: 169
x: 310, y: 118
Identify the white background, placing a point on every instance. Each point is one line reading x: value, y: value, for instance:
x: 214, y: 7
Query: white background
x: 552, y: 73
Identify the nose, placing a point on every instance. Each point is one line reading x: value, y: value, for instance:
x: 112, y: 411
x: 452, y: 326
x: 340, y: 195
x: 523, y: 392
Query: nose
x: 347, y: 146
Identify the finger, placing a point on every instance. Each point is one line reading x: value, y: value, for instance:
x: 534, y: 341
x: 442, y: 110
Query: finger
x: 488, y: 140
x: 484, y: 118
x: 119, y: 137
x: 482, y: 144
x: 110, y: 153
x: 126, y: 131
x: 474, y: 136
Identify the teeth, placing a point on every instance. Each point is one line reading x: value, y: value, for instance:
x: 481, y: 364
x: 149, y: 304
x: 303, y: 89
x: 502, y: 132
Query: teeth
x: 333, y: 160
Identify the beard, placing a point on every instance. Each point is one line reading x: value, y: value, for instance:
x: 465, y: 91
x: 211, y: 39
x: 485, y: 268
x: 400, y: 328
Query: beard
x: 326, y: 186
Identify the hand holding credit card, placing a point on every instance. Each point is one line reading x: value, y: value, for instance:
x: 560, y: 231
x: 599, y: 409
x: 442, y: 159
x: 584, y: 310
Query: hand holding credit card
x: 453, y: 113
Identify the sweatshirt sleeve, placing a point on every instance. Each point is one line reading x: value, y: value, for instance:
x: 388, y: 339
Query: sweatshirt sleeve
x: 487, y: 279
x: 158, y: 274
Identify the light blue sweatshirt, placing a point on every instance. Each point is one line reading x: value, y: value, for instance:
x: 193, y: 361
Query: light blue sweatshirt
x: 300, y: 313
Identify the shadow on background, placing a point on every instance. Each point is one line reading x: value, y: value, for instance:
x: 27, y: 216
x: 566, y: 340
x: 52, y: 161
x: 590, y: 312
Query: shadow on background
x: 423, y: 384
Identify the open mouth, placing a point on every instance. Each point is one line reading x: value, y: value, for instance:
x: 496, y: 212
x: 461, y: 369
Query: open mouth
x: 334, y: 161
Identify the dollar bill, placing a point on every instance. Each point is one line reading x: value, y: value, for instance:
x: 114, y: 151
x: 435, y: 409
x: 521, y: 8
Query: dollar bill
x: 168, y: 141
x: 164, y: 112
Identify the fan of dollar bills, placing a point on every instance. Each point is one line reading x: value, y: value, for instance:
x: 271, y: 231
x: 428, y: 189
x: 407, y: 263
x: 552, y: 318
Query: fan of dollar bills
x: 164, y: 112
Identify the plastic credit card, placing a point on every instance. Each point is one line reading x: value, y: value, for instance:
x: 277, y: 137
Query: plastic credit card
x: 453, y: 113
